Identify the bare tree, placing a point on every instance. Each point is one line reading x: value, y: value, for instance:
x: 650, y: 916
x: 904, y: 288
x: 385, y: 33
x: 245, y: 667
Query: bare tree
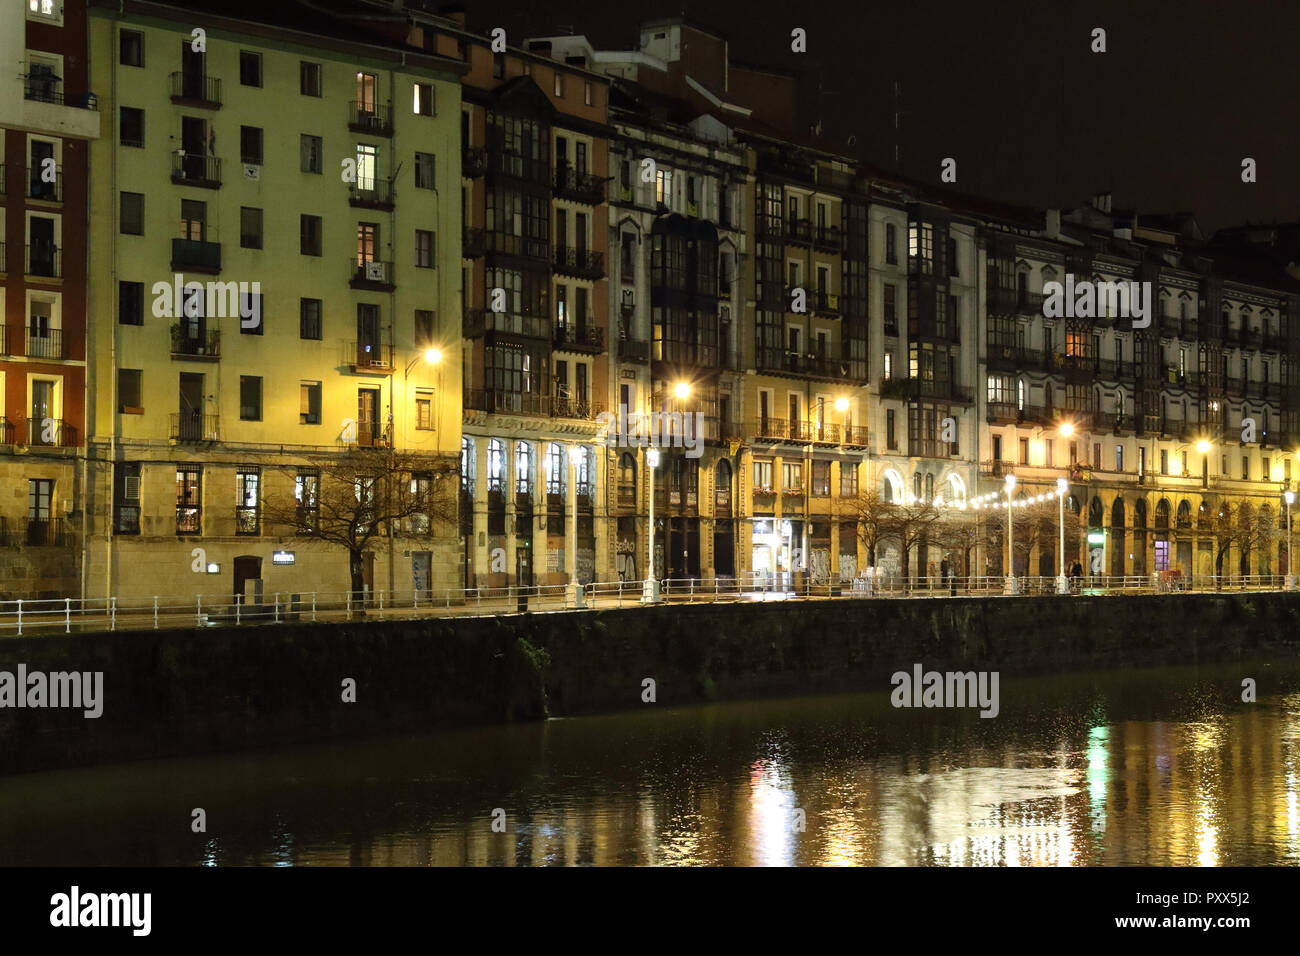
x: 353, y: 498
x: 1241, y: 525
x: 910, y: 523
x: 873, y: 515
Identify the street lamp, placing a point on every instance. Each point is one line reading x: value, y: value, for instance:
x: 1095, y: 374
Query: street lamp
x: 682, y: 390
x: 576, y: 454
x: 1009, y: 586
x: 1067, y: 429
x: 1062, y: 582
x: 1290, y: 572
x: 650, y: 591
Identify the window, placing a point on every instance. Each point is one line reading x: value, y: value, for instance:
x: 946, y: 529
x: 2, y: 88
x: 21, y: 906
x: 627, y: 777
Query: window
x: 524, y: 468
x: 664, y: 186
x: 309, y: 319
x: 130, y: 48
x: 587, y: 96
x: 424, y: 170
x: 1164, y: 461
x: 1245, y: 467
x: 130, y: 399
x: 131, y: 217
x: 189, y: 509
x: 306, y: 491
x: 891, y: 435
x: 130, y: 303
x: 762, y: 475
x: 821, y: 479
x: 848, y: 479
x: 250, y: 68
x: 251, y: 307
x: 1024, y: 451
x: 250, y: 398
x: 889, y: 366
x: 309, y: 231
x: 559, y: 83
x: 498, y: 66
x: 309, y: 78
x: 1119, y: 457
x: 891, y: 310
x: 792, y: 476
x: 952, y: 257
x: 891, y: 244
x: 309, y: 153
x: 250, y: 228
x: 424, y: 248
x: 130, y: 126
x: 309, y: 403
x: 424, y: 410
x: 250, y: 145
x: 247, y: 481
x: 423, y: 104
x: 424, y: 328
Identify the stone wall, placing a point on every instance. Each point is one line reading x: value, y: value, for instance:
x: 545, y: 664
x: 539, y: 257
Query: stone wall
x: 194, y: 691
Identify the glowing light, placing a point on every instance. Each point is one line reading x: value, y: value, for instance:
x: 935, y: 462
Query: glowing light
x: 841, y: 404
x: 1067, y: 429
x: 432, y: 356
x: 682, y: 390
x: 1202, y: 446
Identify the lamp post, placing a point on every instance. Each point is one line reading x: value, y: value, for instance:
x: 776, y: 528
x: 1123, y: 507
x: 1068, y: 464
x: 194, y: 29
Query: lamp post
x: 576, y: 454
x: 650, y: 592
x: 1009, y: 587
x: 1062, y: 581
x: 1290, y: 571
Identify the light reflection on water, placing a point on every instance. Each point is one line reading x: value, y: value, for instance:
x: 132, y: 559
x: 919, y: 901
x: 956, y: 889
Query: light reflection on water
x: 1163, y: 767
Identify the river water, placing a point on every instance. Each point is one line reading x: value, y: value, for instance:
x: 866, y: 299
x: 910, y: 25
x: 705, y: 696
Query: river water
x: 1146, y: 766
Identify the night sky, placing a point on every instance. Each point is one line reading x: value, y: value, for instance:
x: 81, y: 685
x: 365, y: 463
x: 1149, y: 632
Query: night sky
x: 1012, y: 91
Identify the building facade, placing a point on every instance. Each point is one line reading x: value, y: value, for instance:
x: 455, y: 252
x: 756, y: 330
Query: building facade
x: 48, y: 121
x: 301, y: 177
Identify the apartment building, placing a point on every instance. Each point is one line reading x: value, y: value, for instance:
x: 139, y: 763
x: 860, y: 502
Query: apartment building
x: 1174, y: 430
x: 48, y: 120
x: 301, y: 170
x: 534, y: 173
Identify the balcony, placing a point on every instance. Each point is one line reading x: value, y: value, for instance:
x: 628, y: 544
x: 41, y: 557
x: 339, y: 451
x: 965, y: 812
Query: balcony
x: 196, y: 90
x: 1002, y: 413
x: 41, y: 189
x: 1014, y: 358
x: 191, y: 426
x: 579, y: 186
x: 46, y: 108
x: 479, y: 322
x: 634, y: 350
x: 811, y: 366
x: 473, y: 161
x: 798, y: 232
x: 43, y: 259
x: 515, y: 166
x: 1252, y: 339
x: 369, y: 356
x: 1029, y: 303
x: 826, y: 303
x: 509, y: 244
x: 1112, y: 422
x: 45, y: 344
x: 473, y: 244
x: 196, y: 169
x: 44, y: 433
x: 47, y: 533
x: 373, y: 274
x: 1171, y: 326
x: 1234, y: 386
x: 196, y: 255
x: 588, y: 338
x: 498, y: 401
x: 373, y: 194
x: 582, y: 263
x: 373, y: 118
x: 914, y: 388
x: 201, y: 346
x: 1273, y: 342
x: 828, y: 238
x: 1001, y: 301
x: 780, y: 429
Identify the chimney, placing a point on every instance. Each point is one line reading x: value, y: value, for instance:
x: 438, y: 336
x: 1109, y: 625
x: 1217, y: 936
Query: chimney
x: 1054, y: 223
